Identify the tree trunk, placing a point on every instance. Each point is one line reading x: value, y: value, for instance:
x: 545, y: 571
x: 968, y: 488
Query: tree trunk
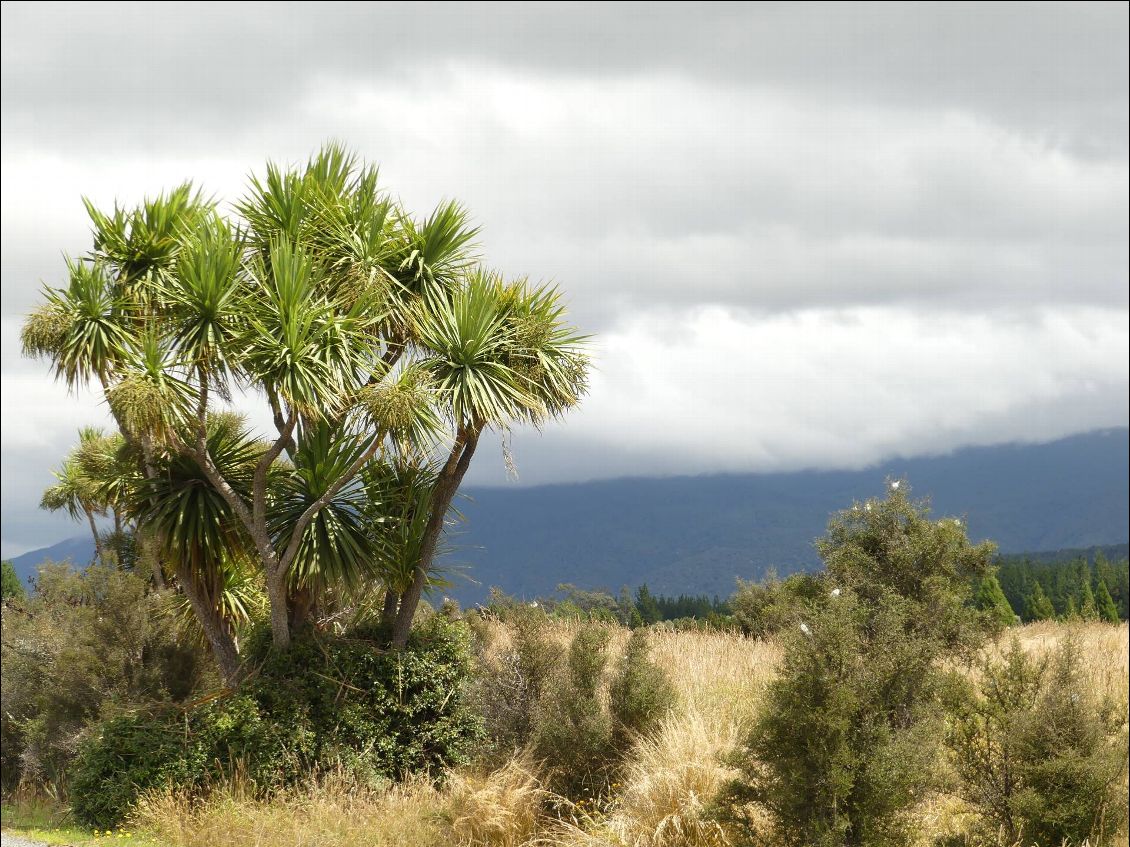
x: 216, y: 629
x: 302, y: 606
x: 94, y: 532
x: 280, y: 614
x: 388, y: 615
x: 446, y: 486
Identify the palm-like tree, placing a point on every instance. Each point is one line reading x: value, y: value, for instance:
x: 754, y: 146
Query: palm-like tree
x: 374, y: 337
x: 194, y: 529
x: 76, y: 490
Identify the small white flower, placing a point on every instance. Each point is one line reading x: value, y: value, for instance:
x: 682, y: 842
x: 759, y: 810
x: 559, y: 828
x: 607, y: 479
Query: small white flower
x: 868, y: 507
x: 835, y: 592
x: 804, y: 628
x: 534, y: 604
x: 956, y: 522
x: 895, y: 485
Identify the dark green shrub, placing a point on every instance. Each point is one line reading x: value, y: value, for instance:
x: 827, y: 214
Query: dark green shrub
x: 1041, y: 758
x: 990, y: 599
x: 124, y: 757
x: 324, y: 704
x: 640, y: 693
x: 85, y: 646
x: 843, y: 743
x: 761, y: 609
x: 574, y: 731
x: 843, y: 748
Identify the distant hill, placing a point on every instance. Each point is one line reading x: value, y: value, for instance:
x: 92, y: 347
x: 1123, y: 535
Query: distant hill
x: 697, y: 534
x: 78, y: 551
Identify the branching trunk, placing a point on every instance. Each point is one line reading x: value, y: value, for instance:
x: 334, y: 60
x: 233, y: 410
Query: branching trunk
x: 446, y: 485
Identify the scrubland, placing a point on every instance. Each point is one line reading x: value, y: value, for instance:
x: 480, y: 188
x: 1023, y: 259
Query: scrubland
x: 662, y: 797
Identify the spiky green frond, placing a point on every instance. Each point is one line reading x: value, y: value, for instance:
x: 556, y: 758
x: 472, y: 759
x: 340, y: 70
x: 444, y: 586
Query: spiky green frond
x: 465, y: 336
x: 436, y: 250
x: 82, y: 329
x: 275, y: 207
x: 203, y: 296
x: 547, y: 352
x: 150, y: 397
x: 191, y: 518
x: 142, y: 243
x: 297, y: 343
x: 335, y: 546
x: 73, y: 493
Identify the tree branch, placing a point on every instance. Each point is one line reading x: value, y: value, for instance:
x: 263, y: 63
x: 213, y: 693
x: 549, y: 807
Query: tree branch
x: 320, y: 503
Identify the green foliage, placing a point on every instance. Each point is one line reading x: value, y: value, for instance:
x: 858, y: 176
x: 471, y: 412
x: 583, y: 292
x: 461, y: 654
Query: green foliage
x: 843, y: 747
x: 646, y: 605
x: 578, y: 715
x: 1066, y: 581
x: 844, y: 743
x: 763, y: 608
x: 326, y: 703
x: 11, y: 586
x: 83, y: 647
x: 991, y: 600
x: 1104, y: 604
x: 1037, y: 754
x: 640, y: 693
x: 1037, y: 606
x: 123, y: 757
x: 574, y: 732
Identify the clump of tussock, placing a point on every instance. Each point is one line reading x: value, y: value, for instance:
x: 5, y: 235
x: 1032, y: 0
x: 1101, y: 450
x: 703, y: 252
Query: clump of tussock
x: 500, y: 809
x: 670, y: 782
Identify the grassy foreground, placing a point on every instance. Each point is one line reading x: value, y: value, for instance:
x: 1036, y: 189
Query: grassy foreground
x: 667, y: 785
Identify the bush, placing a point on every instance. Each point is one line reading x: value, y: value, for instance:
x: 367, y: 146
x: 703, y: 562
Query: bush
x: 84, y: 647
x: 509, y: 683
x: 573, y: 733
x: 125, y: 756
x: 340, y: 704
x: 842, y: 749
x: 842, y: 746
x: 1037, y: 754
x: 761, y: 609
x: 583, y: 736
x: 640, y: 693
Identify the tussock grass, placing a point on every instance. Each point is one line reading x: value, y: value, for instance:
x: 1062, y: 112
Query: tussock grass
x: 499, y: 809
x: 669, y: 780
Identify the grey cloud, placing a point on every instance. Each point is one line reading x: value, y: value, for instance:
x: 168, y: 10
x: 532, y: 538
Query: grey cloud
x: 790, y: 171
x: 1058, y: 71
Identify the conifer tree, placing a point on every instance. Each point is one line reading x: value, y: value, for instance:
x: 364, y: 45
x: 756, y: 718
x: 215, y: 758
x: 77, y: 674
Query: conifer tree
x: 1071, y: 610
x: 1037, y: 606
x: 991, y: 600
x: 1104, y: 604
x: 1087, y: 609
x: 645, y: 603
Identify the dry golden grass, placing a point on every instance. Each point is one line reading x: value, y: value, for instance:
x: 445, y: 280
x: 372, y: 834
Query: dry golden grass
x: 670, y: 777
x: 500, y: 809
x: 328, y: 814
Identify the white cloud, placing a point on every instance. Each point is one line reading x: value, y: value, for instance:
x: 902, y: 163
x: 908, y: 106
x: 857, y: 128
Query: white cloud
x: 719, y: 390
x: 802, y: 240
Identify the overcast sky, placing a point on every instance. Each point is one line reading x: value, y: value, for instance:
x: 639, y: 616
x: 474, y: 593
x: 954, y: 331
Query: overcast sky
x: 803, y: 235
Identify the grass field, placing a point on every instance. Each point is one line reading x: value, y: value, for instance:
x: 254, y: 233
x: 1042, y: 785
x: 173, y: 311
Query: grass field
x: 669, y: 781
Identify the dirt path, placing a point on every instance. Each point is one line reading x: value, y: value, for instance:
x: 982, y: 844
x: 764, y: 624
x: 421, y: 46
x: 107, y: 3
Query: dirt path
x: 7, y: 839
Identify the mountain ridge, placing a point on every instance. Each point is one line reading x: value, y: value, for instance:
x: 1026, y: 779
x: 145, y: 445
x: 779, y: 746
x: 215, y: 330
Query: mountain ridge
x: 698, y: 534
